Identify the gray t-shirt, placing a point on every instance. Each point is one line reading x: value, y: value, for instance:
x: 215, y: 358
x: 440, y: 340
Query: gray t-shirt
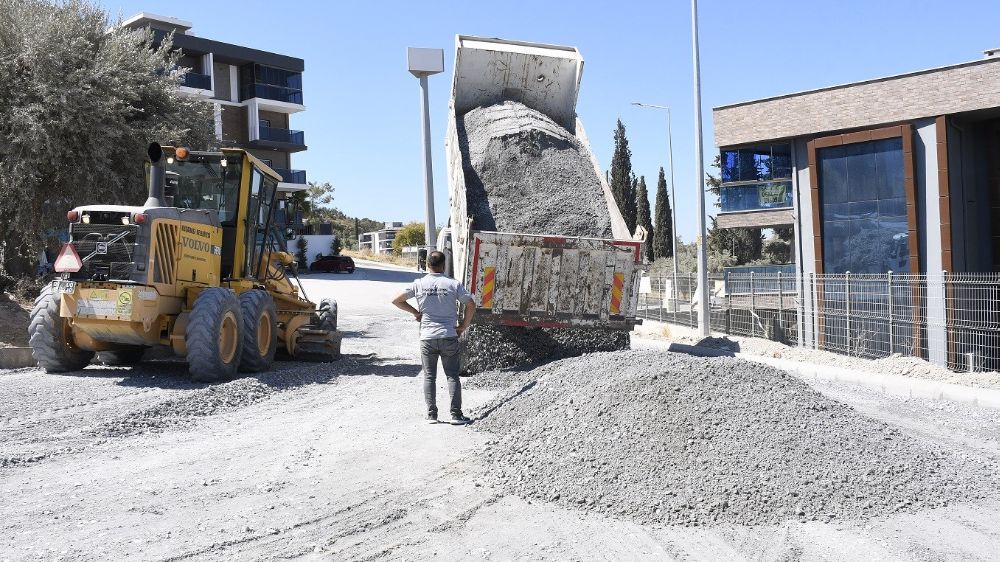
x: 437, y: 299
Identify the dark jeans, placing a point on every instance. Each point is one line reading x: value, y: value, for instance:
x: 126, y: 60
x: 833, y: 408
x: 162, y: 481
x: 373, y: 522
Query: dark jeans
x: 448, y: 349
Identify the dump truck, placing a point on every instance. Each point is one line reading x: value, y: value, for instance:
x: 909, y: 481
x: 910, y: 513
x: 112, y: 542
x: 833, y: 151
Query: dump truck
x: 534, y: 279
x: 201, y: 268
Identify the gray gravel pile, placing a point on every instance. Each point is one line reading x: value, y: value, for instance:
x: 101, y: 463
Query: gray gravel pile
x: 525, y: 173
x: 497, y: 348
x: 668, y: 438
x: 217, y: 399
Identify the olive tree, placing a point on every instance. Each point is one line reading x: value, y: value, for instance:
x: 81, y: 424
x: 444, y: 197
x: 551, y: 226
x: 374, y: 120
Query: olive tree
x: 80, y: 102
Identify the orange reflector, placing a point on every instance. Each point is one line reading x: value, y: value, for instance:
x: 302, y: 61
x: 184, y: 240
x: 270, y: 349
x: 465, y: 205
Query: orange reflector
x: 68, y: 261
x: 489, y: 282
x: 181, y: 153
x: 616, y: 293
x: 72, y: 216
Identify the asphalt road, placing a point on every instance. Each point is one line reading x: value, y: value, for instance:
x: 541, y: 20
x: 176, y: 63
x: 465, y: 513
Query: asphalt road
x: 333, y: 461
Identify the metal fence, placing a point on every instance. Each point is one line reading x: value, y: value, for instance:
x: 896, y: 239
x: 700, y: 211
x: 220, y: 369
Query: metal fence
x: 951, y: 320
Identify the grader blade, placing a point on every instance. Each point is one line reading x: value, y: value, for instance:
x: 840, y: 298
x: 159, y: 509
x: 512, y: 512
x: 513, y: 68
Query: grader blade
x: 315, y: 344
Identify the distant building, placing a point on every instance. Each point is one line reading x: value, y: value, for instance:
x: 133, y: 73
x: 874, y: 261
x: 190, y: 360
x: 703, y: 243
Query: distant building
x: 254, y: 93
x: 379, y: 241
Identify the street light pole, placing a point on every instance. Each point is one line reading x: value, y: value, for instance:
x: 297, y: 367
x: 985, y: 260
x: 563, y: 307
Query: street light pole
x: 673, y: 191
x: 704, y: 318
x: 430, y: 225
x: 423, y: 63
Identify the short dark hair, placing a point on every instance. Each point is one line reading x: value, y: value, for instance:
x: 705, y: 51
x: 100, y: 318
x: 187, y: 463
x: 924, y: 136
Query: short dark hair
x: 435, y: 260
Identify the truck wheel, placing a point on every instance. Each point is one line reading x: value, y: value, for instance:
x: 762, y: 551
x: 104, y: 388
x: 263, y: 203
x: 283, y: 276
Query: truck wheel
x: 214, y: 345
x: 121, y: 357
x: 327, y: 313
x: 260, y: 331
x: 48, y: 334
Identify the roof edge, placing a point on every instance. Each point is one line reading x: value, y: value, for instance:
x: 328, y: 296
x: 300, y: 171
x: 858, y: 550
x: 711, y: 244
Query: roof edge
x: 860, y: 82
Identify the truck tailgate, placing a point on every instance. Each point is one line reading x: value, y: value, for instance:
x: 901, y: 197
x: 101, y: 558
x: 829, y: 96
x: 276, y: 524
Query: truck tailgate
x: 553, y: 281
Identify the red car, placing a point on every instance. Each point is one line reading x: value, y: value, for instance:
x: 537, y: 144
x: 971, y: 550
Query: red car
x: 333, y: 264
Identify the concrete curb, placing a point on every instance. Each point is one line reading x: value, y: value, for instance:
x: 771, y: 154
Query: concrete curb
x: 16, y: 358
x: 897, y: 385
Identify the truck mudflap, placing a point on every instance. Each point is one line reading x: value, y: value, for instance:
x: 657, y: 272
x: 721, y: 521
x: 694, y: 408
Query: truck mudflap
x: 554, y: 281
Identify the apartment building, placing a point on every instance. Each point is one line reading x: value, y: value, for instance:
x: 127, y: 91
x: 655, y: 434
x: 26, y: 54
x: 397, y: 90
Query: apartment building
x: 254, y: 93
x: 379, y: 241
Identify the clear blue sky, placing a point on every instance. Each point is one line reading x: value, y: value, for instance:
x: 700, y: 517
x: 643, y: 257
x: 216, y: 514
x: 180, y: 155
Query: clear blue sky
x: 362, y: 121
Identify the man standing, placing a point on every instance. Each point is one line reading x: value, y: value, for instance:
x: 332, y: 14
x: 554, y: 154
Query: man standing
x: 437, y: 311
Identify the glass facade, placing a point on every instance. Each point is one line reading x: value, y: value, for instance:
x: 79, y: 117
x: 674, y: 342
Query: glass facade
x: 259, y: 81
x: 756, y: 177
x: 865, y: 227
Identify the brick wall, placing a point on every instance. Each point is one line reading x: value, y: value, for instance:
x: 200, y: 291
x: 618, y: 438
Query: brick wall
x: 967, y: 87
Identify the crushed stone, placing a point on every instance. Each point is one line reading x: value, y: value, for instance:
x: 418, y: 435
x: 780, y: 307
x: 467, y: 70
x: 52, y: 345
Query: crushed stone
x: 665, y: 438
x: 497, y: 348
x: 895, y: 364
x: 207, y: 400
x: 525, y: 173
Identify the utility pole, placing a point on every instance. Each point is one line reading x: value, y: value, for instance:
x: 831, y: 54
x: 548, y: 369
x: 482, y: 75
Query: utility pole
x: 423, y: 63
x: 704, y: 312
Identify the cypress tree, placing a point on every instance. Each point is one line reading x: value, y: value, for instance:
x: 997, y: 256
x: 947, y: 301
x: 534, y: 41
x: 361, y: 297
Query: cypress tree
x: 622, y: 178
x: 663, y: 237
x: 643, y: 217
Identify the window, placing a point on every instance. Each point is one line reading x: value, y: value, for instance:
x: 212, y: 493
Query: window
x: 756, y: 177
x: 202, y: 182
x: 863, y: 200
x: 265, y: 123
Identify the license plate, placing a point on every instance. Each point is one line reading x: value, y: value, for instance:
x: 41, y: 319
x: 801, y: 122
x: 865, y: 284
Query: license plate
x: 67, y: 287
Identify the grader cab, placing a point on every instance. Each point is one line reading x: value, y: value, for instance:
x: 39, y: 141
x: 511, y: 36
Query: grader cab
x: 201, y: 267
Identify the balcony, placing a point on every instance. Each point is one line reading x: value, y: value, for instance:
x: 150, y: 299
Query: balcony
x: 291, y: 176
x: 281, y: 139
x: 272, y: 92
x: 753, y: 197
x: 197, y: 81
x: 755, y: 205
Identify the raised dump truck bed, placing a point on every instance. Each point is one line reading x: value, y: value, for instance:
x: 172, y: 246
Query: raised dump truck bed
x: 535, y: 279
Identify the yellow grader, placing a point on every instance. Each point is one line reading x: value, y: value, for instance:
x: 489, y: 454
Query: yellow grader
x: 202, y: 268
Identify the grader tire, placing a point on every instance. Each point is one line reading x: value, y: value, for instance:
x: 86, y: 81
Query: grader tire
x: 327, y: 313
x: 121, y: 357
x: 49, y: 336
x: 213, y: 336
x: 260, y: 331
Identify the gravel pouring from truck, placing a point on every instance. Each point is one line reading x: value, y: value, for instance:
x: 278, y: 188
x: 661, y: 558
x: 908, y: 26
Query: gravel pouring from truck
x: 533, y: 278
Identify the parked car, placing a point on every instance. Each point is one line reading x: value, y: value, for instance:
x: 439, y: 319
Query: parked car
x: 333, y: 264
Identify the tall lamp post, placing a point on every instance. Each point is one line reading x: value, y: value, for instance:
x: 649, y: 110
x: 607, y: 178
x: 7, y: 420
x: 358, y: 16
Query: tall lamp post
x: 423, y: 63
x: 704, y: 318
x: 673, y: 192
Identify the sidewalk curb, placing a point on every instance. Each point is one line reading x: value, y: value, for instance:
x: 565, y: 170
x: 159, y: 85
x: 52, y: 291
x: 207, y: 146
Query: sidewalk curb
x: 897, y: 385
x: 16, y: 358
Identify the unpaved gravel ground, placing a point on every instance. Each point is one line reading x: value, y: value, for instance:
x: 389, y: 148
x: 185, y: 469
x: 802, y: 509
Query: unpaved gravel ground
x: 661, y: 437
x: 893, y: 365
x: 335, y: 463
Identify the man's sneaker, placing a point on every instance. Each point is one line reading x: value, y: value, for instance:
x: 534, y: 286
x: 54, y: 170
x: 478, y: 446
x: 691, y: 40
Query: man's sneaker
x: 432, y: 417
x: 457, y: 418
